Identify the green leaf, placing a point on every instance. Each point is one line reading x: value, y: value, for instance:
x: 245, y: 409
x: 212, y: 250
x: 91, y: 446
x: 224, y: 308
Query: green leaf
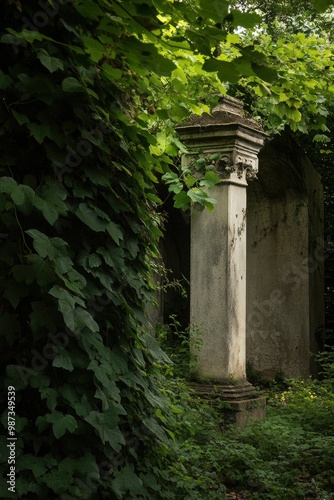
x: 89, y: 217
x: 106, y: 427
x: 264, y: 72
x: 212, y: 178
x: 245, y: 19
x: 71, y: 84
x: 115, y: 232
x: 41, y: 243
x: 112, y: 73
x: 182, y: 200
x: 176, y: 187
x: 20, y: 118
x: 199, y: 162
x: 51, y: 396
x: 88, y: 9
x: 38, y: 465
x: 29, y: 35
x: 170, y: 177
x: 216, y: 10
x: 94, y: 48
x: 209, y: 203
x: 38, y: 131
x: 77, y: 319
x: 63, y: 424
x: 114, y: 257
x: 66, y: 300
x: 63, y: 360
x: 321, y: 138
x: 215, y: 156
x: 60, y: 423
x: 145, y: 56
x: 51, y: 63
x: 154, y: 349
x: 58, y: 482
x: 180, y: 111
x: 294, y: 114
x: 227, y: 71
x: 126, y: 480
x: 41, y: 270
x: 85, y: 464
x: 156, y: 429
x: 201, y: 197
x: 7, y: 184
x: 49, y: 213
x: 51, y: 207
x: 154, y: 197
x: 94, y: 260
x: 17, y: 196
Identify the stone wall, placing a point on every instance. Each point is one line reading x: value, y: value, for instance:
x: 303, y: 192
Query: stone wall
x: 284, y: 262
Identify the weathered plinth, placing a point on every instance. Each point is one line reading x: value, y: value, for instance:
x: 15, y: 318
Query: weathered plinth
x: 240, y: 412
x: 237, y: 403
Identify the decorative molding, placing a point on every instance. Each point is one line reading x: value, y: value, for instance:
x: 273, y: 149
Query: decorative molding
x: 248, y: 165
x: 226, y: 165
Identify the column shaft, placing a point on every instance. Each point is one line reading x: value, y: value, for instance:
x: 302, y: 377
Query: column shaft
x: 218, y: 284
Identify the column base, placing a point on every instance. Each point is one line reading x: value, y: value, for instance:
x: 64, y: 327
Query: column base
x: 240, y: 412
x: 238, y: 403
x: 225, y: 392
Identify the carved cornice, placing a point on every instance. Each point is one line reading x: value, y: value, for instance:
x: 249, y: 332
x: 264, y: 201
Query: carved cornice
x: 228, y: 164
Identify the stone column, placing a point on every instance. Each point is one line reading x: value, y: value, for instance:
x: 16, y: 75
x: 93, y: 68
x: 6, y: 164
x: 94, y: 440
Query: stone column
x: 218, y: 246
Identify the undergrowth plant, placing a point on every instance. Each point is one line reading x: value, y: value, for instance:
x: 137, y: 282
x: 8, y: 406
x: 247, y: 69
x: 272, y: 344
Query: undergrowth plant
x: 326, y: 362
x: 181, y: 345
x: 289, y: 455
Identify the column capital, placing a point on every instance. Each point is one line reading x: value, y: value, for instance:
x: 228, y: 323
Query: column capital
x: 227, y: 132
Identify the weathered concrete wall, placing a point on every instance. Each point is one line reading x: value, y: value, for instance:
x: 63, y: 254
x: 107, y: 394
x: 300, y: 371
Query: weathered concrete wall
x: 284, y: 277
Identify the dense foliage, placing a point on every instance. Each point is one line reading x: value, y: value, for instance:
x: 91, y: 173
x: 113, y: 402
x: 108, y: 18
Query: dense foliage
x: 91, y: 92
x: 288, y: 455
x: 78, y: 229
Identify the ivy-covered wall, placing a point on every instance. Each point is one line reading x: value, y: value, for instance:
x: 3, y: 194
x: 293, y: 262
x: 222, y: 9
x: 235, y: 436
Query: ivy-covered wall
x: 78, y: 229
